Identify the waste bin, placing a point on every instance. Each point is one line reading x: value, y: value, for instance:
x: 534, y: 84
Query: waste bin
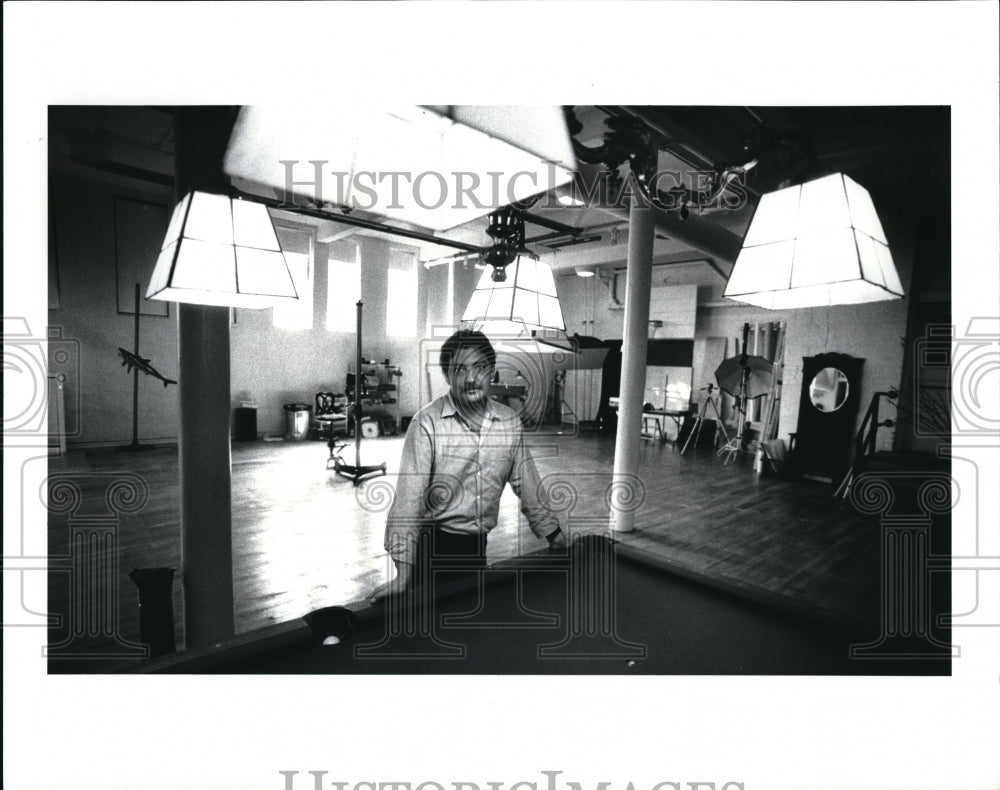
x: 297, y: 421
x: 156, y: 608
x: 245, y: 424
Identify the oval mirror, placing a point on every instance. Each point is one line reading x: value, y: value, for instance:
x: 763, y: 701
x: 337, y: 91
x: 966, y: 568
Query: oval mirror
x: 828, y: 390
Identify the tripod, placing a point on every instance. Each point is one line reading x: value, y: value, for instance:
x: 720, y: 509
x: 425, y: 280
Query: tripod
x: 700, y: 419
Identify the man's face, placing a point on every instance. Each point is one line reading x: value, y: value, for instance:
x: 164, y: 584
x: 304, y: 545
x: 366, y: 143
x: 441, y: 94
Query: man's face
x: 469, y: 378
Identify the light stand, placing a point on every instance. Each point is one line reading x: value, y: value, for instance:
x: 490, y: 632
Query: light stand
x: 734, y: 446
x: 357, y: 472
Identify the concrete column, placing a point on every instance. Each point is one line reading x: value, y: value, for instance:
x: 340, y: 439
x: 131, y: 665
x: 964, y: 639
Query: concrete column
x: 205, y: 474
x: 204, y: 396
x: 638, y: 278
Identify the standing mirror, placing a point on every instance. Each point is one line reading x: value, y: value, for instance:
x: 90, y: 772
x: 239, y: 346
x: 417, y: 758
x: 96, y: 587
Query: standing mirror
x: 829, y: 389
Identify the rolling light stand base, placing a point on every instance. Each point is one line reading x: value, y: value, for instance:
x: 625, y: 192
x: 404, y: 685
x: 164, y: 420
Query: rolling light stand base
x: 357, y: 473
x: 733, y: 449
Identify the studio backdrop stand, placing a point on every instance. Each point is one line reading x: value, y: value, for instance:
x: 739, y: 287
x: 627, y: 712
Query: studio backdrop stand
x: 357, y: 472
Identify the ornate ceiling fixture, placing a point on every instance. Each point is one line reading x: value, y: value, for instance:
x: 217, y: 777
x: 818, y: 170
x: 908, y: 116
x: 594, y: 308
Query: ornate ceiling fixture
x: 630, y: 141
x: 506, y: 228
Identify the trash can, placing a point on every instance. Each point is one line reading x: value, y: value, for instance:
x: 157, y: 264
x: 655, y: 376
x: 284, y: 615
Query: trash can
x: 297, y: 421
x: 245, y: 424
x: 156, y: 608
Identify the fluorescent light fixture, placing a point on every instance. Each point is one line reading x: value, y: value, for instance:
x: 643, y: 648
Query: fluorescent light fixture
x: 435, y: 167
x: 220, y: 251
x: 573, y: 241
x: 815, y: 244
x: 586, y: 271
x: 569, y: 201
x: 527, y: 296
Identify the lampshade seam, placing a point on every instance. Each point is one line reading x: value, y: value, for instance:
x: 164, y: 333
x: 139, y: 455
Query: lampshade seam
x: 177, y: 244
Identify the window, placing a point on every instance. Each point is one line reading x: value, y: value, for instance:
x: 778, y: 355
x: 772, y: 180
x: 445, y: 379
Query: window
x: 401, y: 306
x: 297, y: 247
x: 343, y: 287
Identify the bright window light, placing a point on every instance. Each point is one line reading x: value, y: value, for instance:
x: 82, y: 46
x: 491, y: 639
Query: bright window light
x: 343, y: 289
x: 297, y: 245
x: 299, y: 314
x: 401, y: 307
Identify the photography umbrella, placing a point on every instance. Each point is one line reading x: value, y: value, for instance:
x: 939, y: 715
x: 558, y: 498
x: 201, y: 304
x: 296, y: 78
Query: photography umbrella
x: 730, y: 374
x: 745, y: 377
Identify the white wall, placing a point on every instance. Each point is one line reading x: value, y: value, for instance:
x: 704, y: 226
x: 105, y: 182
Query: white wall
x: 98, y: 389
x: 873, y: 332
x: 590, y: 309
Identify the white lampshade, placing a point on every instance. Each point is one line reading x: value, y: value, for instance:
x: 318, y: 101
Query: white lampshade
x: 436, y: 167
x: 220, y: 251
x: 527, y: 296
x: 815, y: 244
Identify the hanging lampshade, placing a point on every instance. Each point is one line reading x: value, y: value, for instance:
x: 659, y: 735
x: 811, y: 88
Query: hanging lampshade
x: 815, y: 244
x: 220, y: 251
x: 527, y: 296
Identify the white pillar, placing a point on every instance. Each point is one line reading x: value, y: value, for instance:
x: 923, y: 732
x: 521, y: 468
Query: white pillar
x: 638, y: 278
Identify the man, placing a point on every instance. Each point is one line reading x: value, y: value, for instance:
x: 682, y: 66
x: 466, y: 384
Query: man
x: 459, y: 453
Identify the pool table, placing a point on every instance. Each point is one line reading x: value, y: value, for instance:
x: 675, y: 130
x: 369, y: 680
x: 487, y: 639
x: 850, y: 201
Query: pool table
x: 597, y: 608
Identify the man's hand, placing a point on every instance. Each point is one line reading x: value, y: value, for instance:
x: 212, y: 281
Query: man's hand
x: 557, y: 540
x: 394, y: 586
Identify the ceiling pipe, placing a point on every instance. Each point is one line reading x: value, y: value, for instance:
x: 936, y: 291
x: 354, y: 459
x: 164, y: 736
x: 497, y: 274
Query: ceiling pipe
x: 548, y: 237
x: 551, y: 224
x: 458, y: 257
x: 358, y: 222
x: 588, y: 230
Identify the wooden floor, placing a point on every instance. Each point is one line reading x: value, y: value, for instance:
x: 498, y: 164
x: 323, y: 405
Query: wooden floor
x: 304, y: 538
